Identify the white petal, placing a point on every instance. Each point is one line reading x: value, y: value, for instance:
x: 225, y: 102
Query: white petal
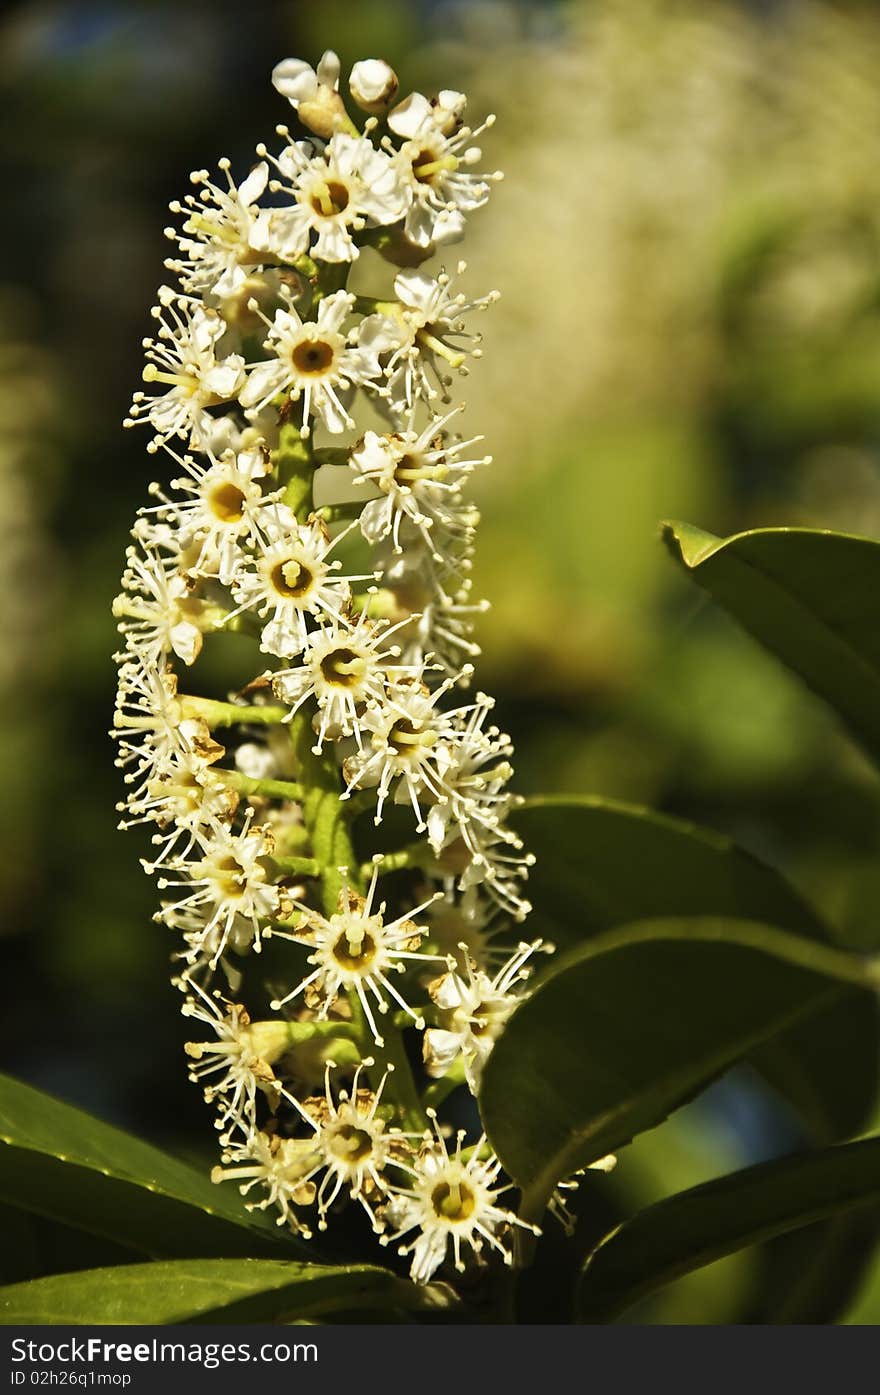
x: 409, y: 116
x: 186, y: 641
x: 375, y: 520
x: 373, y: 83
x: 266, y: 378
x: 440, y: 1050
x: 333, y: 310
x: 255, y: 183
x: 328, y: 69
x: 295, y: 80
x: 225, y: 379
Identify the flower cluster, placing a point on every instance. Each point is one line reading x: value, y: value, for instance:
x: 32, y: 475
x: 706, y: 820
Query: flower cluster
x: 340, y: 557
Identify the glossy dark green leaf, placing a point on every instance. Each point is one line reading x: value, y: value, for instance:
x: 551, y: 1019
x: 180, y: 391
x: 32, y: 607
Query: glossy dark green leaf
x: 64, y: 1164
x: 633, y: 1024
x: 810, y: 597
x: 221, y: 1290
x: 602, y: 863
x: 702, y: 1225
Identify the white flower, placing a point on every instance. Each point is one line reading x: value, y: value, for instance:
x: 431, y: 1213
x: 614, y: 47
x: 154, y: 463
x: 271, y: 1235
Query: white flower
x: 346, y: 668
x: 349, y: 186
x: 157, y: 611
x: 476, y: 773
x: 148, y: 721
x: 373, y: 84
x: 236, y: 1063
x: 294, y: 581
x: 419, y: 477
x: 184, y: 357
x: 475, y: 1009
x: 406, y: 746
x: 435, y: 159
x: 355, y: 952
x: 451, y: 1201
x: 314, y: 362
x: 228, y: 886
x: 215, y: 238
x: 184, y: 798
x: 353, y: 1143
x: 224, y: 506
x: 281, y: 1166
x: 423, y: 336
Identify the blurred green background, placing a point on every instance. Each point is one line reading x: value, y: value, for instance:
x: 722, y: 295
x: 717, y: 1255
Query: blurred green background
x: 687, y: 243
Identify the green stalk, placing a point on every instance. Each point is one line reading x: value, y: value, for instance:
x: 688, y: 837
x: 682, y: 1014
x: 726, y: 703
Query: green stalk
x: 326, y: 818
x: 259, y: 789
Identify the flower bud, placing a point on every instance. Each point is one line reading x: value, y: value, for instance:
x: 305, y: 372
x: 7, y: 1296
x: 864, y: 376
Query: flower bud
x: 373, y: 84
x: 313, y: 93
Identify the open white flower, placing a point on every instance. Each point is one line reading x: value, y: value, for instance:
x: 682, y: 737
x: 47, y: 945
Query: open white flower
x: 223, y: 506
x: 235, y: 1064
x: 346, y: 668
x: 185, y: 359
x: 280, y: 1165
x: 419, y: 476
x: 294, y: 581
x: 158, y: 612
x: 355, y: 952
x: 474, y: 1010
x: 228, y: 887
x: 215, y: 240
x: 451, y: 1202
x: 346, y: 187
x: 423, y: 336
x: 436, y: 159
x: 314, y: 362
x: 352, y: 1142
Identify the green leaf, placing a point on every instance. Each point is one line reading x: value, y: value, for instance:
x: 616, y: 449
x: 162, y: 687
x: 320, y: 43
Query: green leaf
x: 61, y: 1163
x: 632, y: 1025
x: 808, y: 596
x: 699, y: 1226
x: 602, y: 863
x: 224, y: 1290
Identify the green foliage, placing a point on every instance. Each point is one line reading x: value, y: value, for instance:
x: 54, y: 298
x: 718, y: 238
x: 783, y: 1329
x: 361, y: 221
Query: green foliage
x: 64, y: 1164
x: 583, y: 884
x: 810, y: 598
x: 216, y: 1290
x: 633, y: 1024
x: 702, y: 1225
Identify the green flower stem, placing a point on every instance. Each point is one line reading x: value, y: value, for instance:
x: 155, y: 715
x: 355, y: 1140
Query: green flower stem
x: 332, y: 455
x: 295, y: 467
x: 440, y: 1089
x: 260, y: 789
x: 297, y: 866
x: 326, y: 818
x: 296, y: 1033
x: 229, y: 714
x: 337, y: 513
x: 413, y: 855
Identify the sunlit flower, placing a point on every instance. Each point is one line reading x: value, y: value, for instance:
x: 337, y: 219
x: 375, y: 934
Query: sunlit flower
x: 215, y: 240
x: 451, y: 1202
x: 355, y: 952
x: 314, y: 363
x: 336, y: 193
